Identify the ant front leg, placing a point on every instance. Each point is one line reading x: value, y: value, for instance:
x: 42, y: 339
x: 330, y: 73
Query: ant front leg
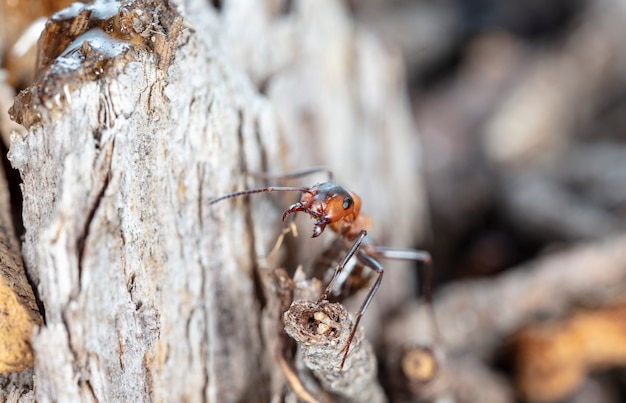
x: 372, y: 264
x: 290, y: 226
x: 367, y: 261
x: 341, y: 265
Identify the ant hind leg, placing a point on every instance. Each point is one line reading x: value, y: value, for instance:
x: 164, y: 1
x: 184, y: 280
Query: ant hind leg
x: 421, y: 257
x: 425, y: 261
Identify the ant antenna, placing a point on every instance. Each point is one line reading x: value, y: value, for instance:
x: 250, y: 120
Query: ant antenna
x: 268, y: 189
x: 295, y: 174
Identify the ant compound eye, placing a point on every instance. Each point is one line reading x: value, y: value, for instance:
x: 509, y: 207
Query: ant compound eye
x: 347, y: 202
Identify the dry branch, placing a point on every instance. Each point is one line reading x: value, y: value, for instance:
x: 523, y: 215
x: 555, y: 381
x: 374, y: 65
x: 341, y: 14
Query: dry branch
x: 475, y: 316
x: 546, y: 209
x: 553, y: 94
x: 459, y: 380
x: 321, y: 331
x: 553, y: 359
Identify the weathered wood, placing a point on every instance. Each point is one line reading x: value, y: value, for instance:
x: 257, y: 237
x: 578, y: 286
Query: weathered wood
x: 140, y: 115
x: 322, y: 331
x: 19, y: 314
x: 143, y: 299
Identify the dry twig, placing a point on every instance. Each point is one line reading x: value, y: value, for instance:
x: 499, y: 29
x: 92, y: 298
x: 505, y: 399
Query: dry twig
x: 321, y: 331
x: 474, y: 317
x: 552, y: 359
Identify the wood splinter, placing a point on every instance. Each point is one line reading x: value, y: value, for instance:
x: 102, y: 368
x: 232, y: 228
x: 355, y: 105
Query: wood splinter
x: 322, y: 330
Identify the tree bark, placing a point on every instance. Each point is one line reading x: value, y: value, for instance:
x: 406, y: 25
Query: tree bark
x: 143, y: 112
x: 19, y: 314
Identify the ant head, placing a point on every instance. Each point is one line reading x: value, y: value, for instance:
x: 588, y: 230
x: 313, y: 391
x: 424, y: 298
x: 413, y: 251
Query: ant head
x: 328, y: 204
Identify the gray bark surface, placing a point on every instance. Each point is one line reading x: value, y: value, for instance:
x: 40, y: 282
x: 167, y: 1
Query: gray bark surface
x: 149, y: 293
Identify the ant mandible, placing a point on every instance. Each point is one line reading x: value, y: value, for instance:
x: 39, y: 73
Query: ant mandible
x: 333, y: 206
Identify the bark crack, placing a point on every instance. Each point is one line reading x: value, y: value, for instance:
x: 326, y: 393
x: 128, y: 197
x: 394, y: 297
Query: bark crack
x: 82, y: 238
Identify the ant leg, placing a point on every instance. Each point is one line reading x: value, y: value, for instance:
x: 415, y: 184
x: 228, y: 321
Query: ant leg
x: 420, y: 256
x: 341, y: 265
x: 426, y: 265
x: 368, y: 261
x: 372, y: 264
x: 294, y: 174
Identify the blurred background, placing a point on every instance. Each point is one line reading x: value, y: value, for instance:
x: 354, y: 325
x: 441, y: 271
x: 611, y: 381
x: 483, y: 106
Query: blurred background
x: 521, y: 108
x: 521, y: 111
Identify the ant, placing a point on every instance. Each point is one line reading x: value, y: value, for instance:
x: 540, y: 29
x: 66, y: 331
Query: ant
x: 335, y: 207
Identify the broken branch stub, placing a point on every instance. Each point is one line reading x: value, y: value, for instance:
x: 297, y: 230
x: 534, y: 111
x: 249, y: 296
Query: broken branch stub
x: 322, y: 331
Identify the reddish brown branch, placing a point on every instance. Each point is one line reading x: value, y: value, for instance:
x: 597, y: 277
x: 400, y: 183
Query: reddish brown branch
x: 552, y: 359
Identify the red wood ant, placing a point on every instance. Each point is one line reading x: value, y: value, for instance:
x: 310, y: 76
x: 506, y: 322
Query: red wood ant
x: 339, y: 209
